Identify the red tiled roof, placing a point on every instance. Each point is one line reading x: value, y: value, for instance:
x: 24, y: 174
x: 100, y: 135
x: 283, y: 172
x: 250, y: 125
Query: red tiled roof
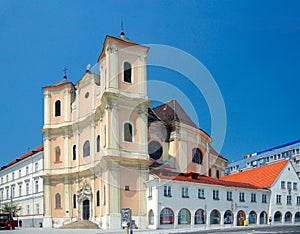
x: 262, y: 177
x: 195, y: 177
x: 35, y: 150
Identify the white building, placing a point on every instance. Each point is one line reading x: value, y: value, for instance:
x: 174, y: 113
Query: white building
x: 187, y: 200
x: 282, y: 181
x: 289, y: 150
x: 21, y: 184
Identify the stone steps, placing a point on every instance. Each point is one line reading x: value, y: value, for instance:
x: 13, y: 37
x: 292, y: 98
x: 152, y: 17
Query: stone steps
x: 80, y: 225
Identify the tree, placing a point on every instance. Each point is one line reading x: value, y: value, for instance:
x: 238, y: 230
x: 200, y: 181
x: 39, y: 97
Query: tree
x: 14, y: 209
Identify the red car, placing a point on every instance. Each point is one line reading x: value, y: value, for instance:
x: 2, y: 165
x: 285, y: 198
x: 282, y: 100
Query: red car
x: 7, y: 221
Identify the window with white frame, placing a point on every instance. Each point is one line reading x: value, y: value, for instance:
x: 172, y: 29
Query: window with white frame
x: 253, y: 197
x: 28, y: 209
x: 229, y: 195
x: 242, y: 197
x: 150, y: 192
x: 36, y: 166
x: 278, y: 199
x: 288, y: 199
x: 298, y: 200
x: 7, y: 193
x: 36, y: 186
x: 283, y: 184
x: 37, y: 208
x: 13, y: 176
x: 185, y: 192
x: 20, y: 190
x: 127, y: 75
x: 1, y: 195
x: 216, y: 195
x: 27, y: 170
x: 13, y: 191
x: 289, y: 185
x: 6, y: 178
x: 128, y: 132
x: 201, y: 194
x: 20, y: 173
x: 167, y: 191
x: 27, y: 188
x: 295, y: 186
x: 264, y: 198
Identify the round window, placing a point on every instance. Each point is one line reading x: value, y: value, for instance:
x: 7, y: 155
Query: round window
x: 87, y: 94
x: 155, y: 150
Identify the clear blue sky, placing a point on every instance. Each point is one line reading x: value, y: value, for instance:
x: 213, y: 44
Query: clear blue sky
x: 251, y: 48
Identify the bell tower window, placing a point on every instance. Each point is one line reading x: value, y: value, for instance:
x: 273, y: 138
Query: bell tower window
x: 127, y: 72
x: 128, y: 134
x: 57, y: 108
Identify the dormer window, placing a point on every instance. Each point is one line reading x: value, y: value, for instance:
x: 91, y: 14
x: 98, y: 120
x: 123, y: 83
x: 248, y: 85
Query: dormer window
x: 127, y: 72
x: 57, y: 108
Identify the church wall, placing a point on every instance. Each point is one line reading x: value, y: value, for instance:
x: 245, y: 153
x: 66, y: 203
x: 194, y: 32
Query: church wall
x: 85, y: 99
x: 57, y: 188
x: 129, y: 199
x: 57, y: 142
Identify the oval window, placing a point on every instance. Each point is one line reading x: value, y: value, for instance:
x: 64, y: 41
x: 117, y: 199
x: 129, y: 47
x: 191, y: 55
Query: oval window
x: 155, y: 150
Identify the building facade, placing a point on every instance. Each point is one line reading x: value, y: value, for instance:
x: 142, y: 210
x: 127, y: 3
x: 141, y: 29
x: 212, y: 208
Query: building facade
x: 21, y: 185
x: 284, y: 184
x: 191, y: 200
x: 289, y: 151
x: 101, y: 138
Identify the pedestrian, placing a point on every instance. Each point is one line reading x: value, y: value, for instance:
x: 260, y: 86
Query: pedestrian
x: 270, y: 220
x: 131, y: 231
x: 20, y: 223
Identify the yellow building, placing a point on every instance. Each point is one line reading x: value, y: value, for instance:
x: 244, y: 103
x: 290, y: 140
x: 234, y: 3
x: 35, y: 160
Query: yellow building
x: 101, y: 139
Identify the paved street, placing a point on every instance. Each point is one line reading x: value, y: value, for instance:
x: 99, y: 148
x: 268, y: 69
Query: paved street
x: 294, y: 229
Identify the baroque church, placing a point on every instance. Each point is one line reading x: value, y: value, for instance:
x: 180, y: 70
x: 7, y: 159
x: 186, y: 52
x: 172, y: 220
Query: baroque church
x: 102, y: 139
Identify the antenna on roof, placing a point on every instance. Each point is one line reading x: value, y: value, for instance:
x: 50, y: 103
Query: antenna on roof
x: 65, y: 73
x: 122, y: 29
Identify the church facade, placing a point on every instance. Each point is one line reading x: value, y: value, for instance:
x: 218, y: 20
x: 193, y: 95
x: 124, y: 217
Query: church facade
x: 102, y: 139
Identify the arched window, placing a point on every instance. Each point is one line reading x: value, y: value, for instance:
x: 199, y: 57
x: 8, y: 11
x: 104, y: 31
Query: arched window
x: 184, y: 217
x: 277, y: 216
x: 98, y: 143
x: 288, y: 217
x: 98, y: 198
x: 215, y: 217
x: 128, y: 134
x: 57, y: 108
x: 74, y: 152
x: 127, y: 72
x: 166, y: 216
x: 297, y: 217
x: 252, y: 217
x: 199, y: 217
x: 57, y: 201
x: 228, y: 217
x: 197, y: 156
x: 57, y: 154
x: 86, y: 149
x: 151, y: 217
x: 217, y: 174
x: 74, y: 201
